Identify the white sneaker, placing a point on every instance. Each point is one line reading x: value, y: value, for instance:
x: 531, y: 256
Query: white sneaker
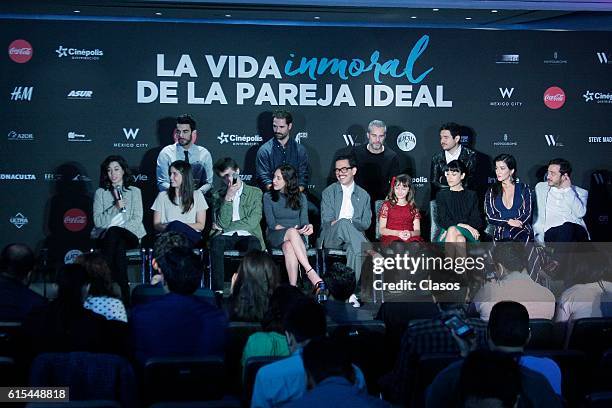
x: 353, y: 301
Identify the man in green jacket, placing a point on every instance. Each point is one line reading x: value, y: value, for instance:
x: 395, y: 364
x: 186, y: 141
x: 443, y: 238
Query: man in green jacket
x: 236, y: 221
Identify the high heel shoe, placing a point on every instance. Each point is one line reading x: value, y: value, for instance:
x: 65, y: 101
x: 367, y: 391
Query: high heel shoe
x: 320, y: 291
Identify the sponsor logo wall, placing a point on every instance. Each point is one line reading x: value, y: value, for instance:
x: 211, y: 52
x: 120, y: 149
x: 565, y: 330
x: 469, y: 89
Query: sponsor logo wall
x: 103, y: 100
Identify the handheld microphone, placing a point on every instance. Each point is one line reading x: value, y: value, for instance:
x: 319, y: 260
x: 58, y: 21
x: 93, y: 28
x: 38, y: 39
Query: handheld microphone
x: 119, y: 197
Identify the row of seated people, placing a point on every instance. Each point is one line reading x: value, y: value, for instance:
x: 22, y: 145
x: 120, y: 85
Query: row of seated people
x: 179, y: 323
x: 345, y: 213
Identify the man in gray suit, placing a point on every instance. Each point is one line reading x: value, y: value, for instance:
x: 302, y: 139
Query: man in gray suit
x: 345, y: 215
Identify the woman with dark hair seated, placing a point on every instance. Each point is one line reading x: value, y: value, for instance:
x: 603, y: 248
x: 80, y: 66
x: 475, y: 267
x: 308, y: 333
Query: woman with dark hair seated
x: 286, y: 211
x: 252, y: 286
x: 101, y: 298
x: 65, y: 325
x: 181, y: 208
x: 458, y: 214
x: 508, y: 204
x: 117, y: 214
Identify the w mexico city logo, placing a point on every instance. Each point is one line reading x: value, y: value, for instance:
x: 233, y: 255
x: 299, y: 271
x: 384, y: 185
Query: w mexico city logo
x: 130, y: 133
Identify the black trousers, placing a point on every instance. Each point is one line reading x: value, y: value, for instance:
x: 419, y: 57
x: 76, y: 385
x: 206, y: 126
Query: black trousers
x: 113, y: 245
x: 221, y: 243
x: 568, y: 232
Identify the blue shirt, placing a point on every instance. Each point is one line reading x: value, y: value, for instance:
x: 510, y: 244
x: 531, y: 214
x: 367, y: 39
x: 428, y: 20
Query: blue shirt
x: 272, y: 154
x: 336, y: 392
x: 285, y: 380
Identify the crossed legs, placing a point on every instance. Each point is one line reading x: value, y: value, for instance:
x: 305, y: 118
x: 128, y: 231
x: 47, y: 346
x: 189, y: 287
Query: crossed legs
x: 295, y: 255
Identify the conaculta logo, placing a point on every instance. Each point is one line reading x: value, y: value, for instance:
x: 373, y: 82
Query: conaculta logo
x: 17, y: 176
x: 79, y: 54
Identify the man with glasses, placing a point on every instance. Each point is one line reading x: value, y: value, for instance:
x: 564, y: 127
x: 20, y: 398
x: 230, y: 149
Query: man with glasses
x: 376, y: 164
x: 561, y: 206
x: 345, y: 215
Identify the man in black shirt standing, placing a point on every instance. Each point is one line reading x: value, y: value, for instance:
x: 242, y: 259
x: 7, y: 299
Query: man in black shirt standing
x: 375, y: 166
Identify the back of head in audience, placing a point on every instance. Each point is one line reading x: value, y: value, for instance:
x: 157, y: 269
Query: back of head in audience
x: 341, y: 281
x: 508, y: 326
x: 17, y: 261
x: 166, y: 242
x: 282, y: 300
x: 257, y: 278
x: 99, y: 274
x: 510, y: 256
x: 181, y: 268
x: 489, y: 380
x: 304, y: 321
x: 71, y: 291
x: 324, y: 358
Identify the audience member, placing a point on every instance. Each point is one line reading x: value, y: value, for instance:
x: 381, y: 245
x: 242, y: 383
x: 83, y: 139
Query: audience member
x: 508, y: 333
x: 450, y: 138
x: 101, y: 298
x: 561, y: 206
x: 16, y: 299
x: 345, y: 215
x: 508, y: 203
x: 286, y: 211
x: 64, y: 325
x: 285, y: 380
x: 279, y: 150
x: 236, y: 219
x: 271, y: 341
x: 399, y: 217
x: 341, y: 281
x: 180, y: 208
x: 514, y: 283
x: 117, y: 215
x: 179, y: 323
x: 185, y: 149
x: 331, y: 378
x: 376, y: 164
x: 254, y: 283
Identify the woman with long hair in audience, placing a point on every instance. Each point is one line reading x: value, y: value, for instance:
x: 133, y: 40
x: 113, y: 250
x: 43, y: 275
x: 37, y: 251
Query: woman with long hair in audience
x: 101, y: 296
x: 65, y: 325
x: 252, y: 286
x: 508, y: 203
x: 399, y: 217
x: 117, y: 214
x: 286, y: 211
x: 180, y: 208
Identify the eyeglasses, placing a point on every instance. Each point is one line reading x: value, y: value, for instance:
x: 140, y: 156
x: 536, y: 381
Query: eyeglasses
x: 343, y: 170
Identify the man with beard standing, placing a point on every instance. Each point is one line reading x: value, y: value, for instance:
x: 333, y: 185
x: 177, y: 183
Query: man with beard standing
x: 185, y: 149
x: 281, y: 149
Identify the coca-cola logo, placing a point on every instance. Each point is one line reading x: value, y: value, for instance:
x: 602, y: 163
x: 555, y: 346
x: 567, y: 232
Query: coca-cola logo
x: 75, y: 220
x: 20, y: 51
x: 554, y: 97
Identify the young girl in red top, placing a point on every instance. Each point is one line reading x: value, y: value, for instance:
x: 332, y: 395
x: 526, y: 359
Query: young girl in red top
x: 399, y: 217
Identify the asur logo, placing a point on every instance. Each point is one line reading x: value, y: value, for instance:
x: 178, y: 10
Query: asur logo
x: 20, y: 51
x: 79, y: 94
x: 506, y: 92
x: 22, y: 93
x: 130, y: 133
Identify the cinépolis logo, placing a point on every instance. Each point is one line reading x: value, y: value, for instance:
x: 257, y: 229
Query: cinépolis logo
x: 244, y: 73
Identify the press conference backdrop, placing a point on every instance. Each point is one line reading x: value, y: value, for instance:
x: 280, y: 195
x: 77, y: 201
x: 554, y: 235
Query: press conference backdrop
x: 74, y: 92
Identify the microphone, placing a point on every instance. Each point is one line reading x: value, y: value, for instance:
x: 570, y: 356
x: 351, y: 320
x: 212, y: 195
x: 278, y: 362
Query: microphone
x: 119, y: 197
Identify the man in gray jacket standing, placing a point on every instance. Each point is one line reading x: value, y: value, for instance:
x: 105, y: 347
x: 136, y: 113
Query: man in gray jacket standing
x: 345, y: 215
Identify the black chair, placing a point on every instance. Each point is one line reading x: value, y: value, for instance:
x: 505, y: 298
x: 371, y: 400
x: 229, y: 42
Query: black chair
x: 365, y: 343
x: 237, y: 334
x: 598, y: 400
x: 90, y: 376
x: 184, y: 379
x: 574, y: 372
x: 602, y: 380
x: 542, y: 334
x: 10, y: 338
x: 593, y: 335
x: 427, y: 368
x: 251, y: 367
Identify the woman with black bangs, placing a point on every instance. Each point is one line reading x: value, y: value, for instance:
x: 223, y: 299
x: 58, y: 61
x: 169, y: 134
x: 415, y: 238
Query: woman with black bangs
x: 181, y: 208
x: 117, y: 214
